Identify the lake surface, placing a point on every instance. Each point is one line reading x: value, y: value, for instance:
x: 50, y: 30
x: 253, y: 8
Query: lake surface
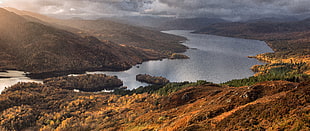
x: 212, y: 58
x: 12, y: 77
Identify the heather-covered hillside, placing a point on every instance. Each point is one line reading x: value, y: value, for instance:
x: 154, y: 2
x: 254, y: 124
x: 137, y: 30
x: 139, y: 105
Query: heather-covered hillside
x: 277, y: 105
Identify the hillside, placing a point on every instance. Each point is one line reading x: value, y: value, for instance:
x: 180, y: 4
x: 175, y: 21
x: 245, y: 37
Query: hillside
x: 116, y: 32
x: 275, y: 34
x: 45, y: 51
x: 128, y: 35
x: 289, y: 40
x: 189, y: 23
x: 166, y: 23
x: 278, y: 105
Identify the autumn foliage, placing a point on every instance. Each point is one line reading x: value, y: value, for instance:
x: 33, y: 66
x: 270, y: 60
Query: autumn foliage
x: 264, y: 106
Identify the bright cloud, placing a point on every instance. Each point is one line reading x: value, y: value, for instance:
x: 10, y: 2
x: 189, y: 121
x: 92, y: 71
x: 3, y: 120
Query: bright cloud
x: 182, y: 8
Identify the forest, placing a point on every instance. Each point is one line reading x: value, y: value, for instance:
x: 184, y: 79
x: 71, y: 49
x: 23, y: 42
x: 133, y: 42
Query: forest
x: 90, y: 83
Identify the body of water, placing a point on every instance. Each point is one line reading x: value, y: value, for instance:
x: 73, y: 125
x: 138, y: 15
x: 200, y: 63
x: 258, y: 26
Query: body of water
x: 12, y: 77
x: 212, y: 58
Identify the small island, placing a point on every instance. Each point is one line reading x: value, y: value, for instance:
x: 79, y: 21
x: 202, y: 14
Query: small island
x: 152, y: 79
x: 178, y: 56
x: 88, y: 83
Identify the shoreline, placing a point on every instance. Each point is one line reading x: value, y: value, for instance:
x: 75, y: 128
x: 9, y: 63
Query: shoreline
x: 44, y: 75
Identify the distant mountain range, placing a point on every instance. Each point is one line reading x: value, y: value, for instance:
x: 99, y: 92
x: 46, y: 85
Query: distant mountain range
x: 167, y: 23
x: 267, y: 31
x: 48, y: 47
x: 170, y: 23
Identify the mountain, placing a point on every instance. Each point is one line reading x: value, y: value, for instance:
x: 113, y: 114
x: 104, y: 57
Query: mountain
x: 249, y: 29
x: 274, y: 105
x: 167, y: 23
x: 128, y: 35
x: 116, y: 32
x: 190, y: 23
x: 45, y: 51
x: 275, y: 19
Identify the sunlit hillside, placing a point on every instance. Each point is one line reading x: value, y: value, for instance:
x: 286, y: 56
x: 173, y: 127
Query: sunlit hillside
x: 46, y: 50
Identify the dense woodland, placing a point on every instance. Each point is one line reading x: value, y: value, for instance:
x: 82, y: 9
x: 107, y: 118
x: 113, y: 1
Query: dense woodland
x: 90, y: 83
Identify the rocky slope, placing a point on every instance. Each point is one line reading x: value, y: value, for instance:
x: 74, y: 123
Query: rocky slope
x: 278, y: 105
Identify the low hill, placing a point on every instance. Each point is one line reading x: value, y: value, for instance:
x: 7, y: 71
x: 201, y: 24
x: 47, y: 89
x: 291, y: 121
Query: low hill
x: 277, y: 105
x: 45, y: 51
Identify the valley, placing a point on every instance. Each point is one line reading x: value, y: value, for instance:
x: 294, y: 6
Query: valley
x: 213, y: 88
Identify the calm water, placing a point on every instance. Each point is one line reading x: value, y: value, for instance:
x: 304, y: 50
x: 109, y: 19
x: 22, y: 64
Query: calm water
x: 212, y: 58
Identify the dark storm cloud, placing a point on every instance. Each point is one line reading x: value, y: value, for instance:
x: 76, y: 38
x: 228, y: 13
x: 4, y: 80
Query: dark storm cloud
x: 239, y: 8
x: 230, y: 9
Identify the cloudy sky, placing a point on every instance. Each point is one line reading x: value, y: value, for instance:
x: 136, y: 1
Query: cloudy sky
x: 229, y: 9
